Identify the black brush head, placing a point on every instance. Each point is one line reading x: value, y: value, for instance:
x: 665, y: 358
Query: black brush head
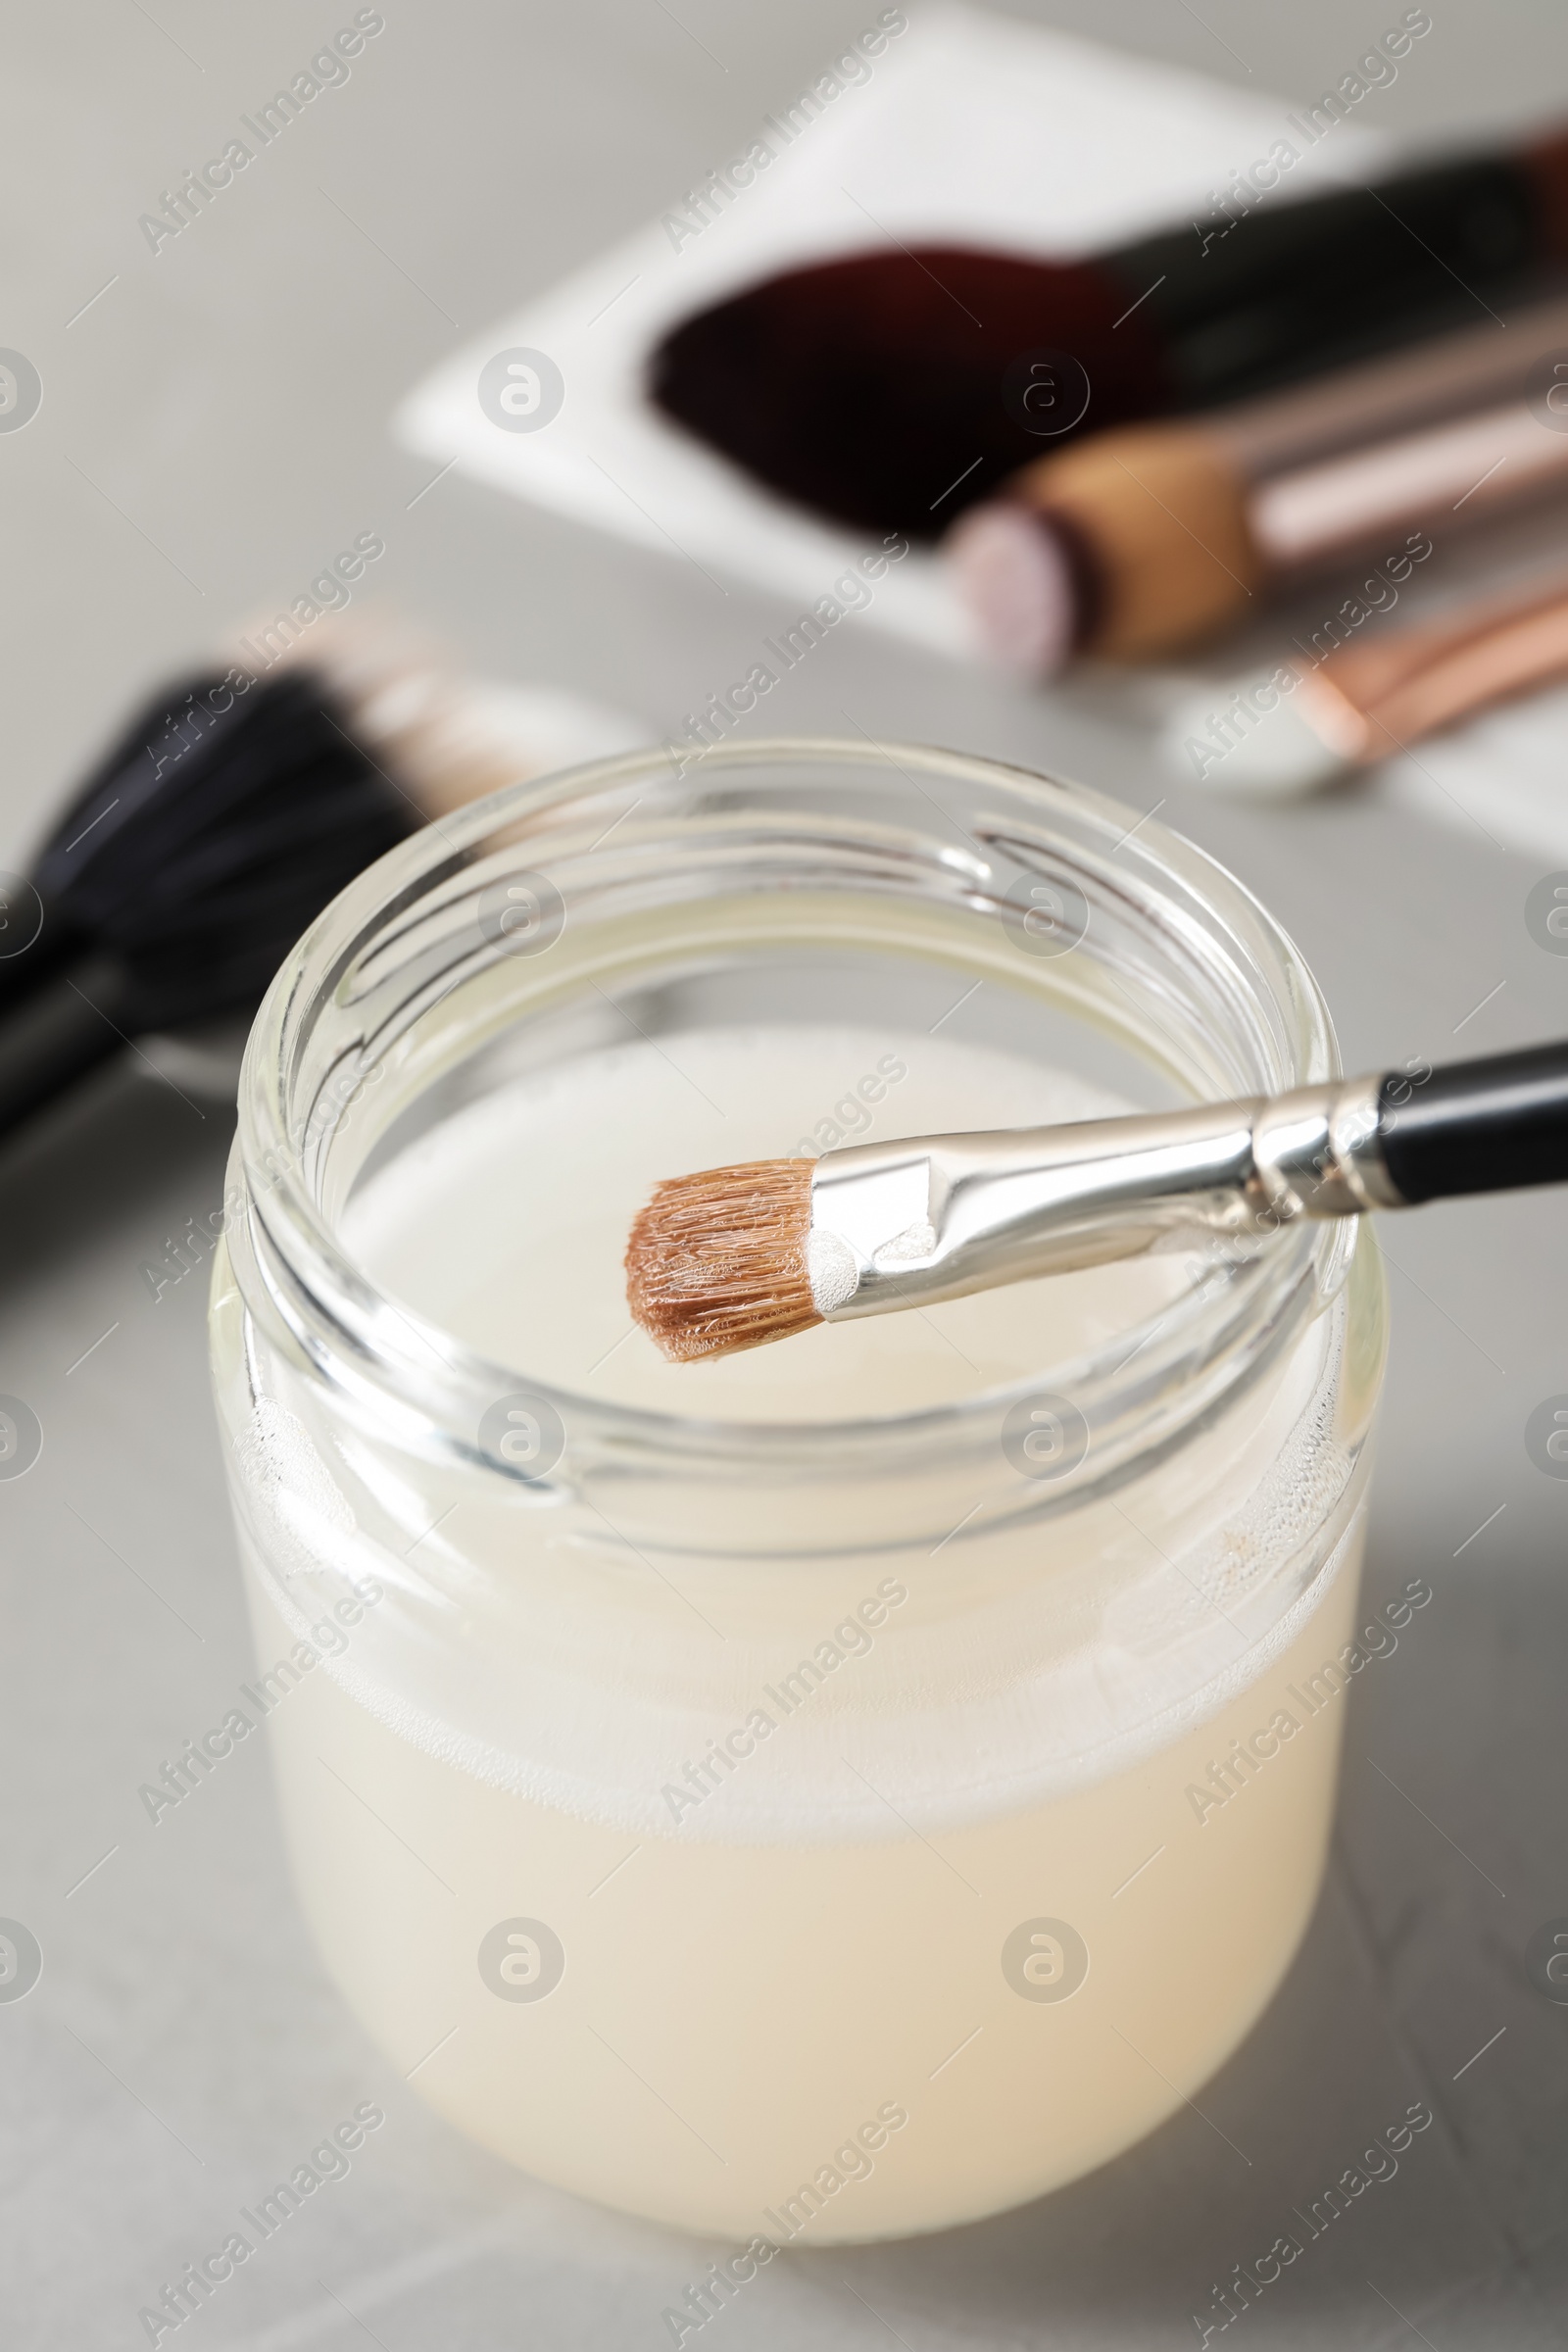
x: 227, y: 817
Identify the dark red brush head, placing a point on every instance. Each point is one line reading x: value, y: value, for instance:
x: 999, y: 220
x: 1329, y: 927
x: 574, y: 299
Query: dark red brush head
x: 865, y: 388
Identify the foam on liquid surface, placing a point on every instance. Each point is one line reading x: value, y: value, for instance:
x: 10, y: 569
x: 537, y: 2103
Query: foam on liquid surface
x: 508, y: 1225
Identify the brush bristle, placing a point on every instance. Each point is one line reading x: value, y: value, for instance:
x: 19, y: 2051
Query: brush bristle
x: 859, y: 386
x: 717, y: 1262
x: 215, y: 829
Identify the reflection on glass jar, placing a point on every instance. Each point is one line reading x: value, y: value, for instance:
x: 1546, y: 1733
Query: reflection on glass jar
x: 859, y: 1785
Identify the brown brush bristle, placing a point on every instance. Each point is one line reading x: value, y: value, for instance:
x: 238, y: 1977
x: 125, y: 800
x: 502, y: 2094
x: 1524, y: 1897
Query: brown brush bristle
x: 717, y: 1262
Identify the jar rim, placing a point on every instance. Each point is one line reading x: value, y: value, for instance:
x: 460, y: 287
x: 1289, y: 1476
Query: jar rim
x: 290, y: 1260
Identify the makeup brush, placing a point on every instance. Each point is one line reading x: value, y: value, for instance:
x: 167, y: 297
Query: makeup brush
x: 1141, y: 540
x: 734, y: 1257
x: 1310, y: 719
x: 229, y: 812
x: 894, y: 388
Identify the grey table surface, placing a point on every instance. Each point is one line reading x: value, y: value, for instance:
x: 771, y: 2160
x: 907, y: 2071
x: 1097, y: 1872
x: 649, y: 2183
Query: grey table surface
x: 213, y: 428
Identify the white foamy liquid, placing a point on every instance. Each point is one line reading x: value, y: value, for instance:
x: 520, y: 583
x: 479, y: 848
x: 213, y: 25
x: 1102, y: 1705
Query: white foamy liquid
x: 737, y: 2003
x: 508, y: 1225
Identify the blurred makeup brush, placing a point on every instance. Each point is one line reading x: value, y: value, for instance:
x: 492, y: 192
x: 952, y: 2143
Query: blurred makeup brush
x: 1141, y: 540
x: 227, y: 816
x: 1298, y: 726
x: 735, y: 1257
x: 892, y: 389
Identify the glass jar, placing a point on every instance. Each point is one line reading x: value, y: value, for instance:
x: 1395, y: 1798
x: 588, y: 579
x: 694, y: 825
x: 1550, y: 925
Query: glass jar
x: 957, y: 1912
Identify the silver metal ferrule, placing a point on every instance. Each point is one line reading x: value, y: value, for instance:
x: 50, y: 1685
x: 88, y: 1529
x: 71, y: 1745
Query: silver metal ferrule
x: 937, y: 1216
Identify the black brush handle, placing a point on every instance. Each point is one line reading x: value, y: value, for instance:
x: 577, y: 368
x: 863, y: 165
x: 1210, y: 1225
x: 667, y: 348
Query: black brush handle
x: 52, y: 944
x: 60, y: 1031
x: 1477, y: 1126
x: 1294, y: 289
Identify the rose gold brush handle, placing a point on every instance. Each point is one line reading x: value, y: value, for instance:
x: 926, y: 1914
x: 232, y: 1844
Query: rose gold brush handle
x: 1147, y: 537
x: 1450, y: 376
x: 1374, y: 698
x: 1467, y: 468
